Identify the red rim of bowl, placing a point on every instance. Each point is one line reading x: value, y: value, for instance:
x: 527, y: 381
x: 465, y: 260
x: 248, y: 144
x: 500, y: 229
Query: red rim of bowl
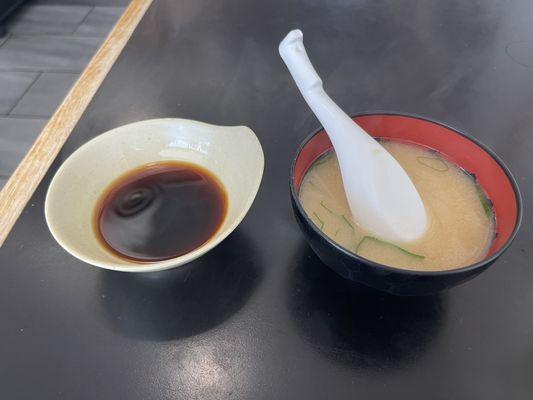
x: 493, y: 253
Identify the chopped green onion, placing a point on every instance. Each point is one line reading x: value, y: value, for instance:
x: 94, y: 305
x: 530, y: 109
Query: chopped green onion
x: 436, y: 164
x: 348, y: 222
x: 485, y: 202
x: 327, y: 209
x: 315, y: 186
x: 320, y: 220
x: 389, y: 244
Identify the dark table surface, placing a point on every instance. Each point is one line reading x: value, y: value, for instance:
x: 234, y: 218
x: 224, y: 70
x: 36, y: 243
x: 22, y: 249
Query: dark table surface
x: 260, y: 317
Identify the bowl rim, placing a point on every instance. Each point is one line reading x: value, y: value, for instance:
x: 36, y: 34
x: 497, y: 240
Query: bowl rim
x: 411, y: 272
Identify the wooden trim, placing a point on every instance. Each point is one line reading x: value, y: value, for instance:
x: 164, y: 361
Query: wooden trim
x: 23, y: 182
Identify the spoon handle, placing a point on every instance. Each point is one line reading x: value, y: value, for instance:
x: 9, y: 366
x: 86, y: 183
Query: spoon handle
x: 293, y: 53
x: 336, y: 122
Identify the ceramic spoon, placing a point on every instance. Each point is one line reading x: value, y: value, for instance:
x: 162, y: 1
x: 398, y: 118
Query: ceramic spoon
x: 381, y: 196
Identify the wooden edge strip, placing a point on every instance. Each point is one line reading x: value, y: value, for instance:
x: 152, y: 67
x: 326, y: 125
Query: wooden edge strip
x: 29, y: 173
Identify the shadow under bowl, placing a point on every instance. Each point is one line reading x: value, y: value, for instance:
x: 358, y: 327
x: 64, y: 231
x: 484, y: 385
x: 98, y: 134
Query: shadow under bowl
x: 465, y: 151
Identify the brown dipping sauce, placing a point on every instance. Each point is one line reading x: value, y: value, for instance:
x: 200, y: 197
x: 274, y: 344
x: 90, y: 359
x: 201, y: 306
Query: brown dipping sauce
x: 160, y: 211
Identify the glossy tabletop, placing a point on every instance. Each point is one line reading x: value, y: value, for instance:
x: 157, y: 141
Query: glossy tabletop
x: 260, y: 317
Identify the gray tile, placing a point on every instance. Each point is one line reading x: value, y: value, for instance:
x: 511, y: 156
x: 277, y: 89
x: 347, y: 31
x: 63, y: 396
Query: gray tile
x: 12, y: 86
x: 100, y: 21
x: 3, y: 39
x: 16, y: 137
x: 47, y: 53
x: 47, y: 19
x: 45, y: 95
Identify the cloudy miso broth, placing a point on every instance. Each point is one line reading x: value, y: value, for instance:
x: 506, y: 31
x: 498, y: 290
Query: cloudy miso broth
x: 461, y: 222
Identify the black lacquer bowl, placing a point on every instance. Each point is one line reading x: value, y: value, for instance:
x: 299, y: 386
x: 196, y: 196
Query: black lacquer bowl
x: 463, y: 150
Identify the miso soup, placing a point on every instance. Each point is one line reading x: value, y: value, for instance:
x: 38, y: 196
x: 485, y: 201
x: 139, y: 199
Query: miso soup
x: 461, y: 221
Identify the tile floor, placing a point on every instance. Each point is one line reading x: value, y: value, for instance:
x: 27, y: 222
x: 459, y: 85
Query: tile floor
x: 48, y: 44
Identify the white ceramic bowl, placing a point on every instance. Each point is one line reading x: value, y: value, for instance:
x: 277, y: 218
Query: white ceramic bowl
x: 233, y: 154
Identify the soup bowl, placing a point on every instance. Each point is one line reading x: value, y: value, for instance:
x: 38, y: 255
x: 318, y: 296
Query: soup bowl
x: 463, y: 150
x: 233, y: 154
